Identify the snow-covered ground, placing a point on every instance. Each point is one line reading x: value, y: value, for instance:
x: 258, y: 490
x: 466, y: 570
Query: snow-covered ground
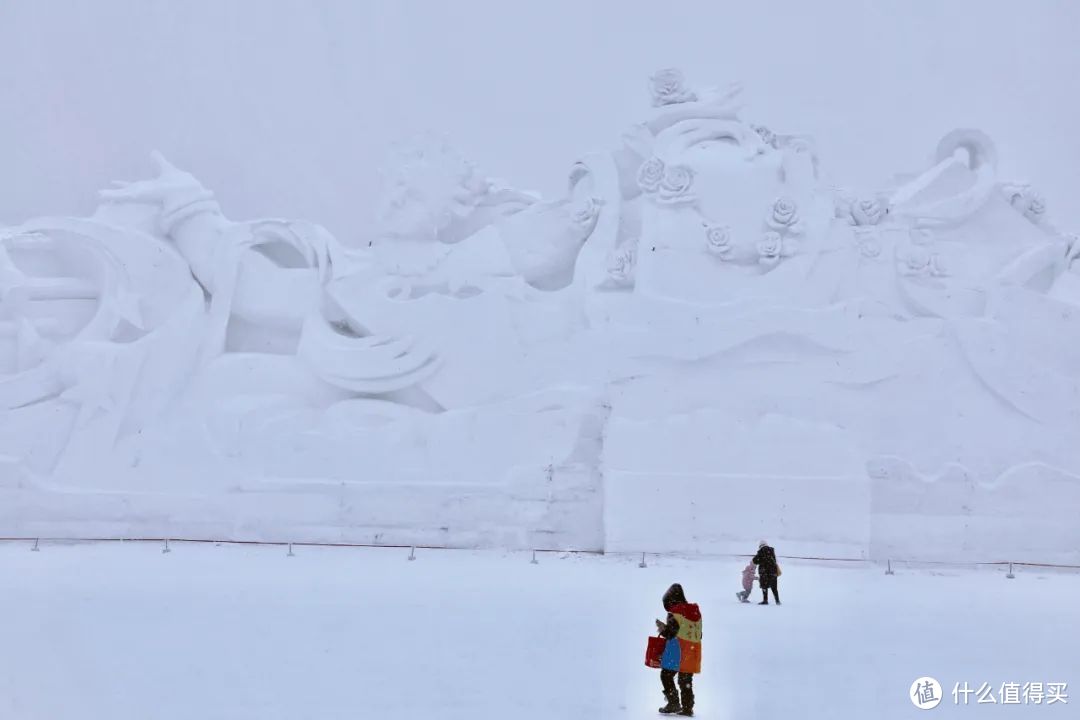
x: 124, y: 632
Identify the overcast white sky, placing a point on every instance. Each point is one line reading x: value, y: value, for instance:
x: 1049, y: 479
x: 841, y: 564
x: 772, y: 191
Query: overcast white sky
x: 285, y: 106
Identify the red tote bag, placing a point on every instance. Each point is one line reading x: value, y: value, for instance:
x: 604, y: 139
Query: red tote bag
x: 653, y: 650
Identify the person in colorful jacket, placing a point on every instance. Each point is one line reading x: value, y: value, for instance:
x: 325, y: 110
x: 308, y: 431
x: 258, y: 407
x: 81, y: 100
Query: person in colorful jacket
x: 682, y: 652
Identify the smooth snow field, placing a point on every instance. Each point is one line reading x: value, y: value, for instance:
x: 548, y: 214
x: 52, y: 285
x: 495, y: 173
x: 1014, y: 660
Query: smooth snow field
x: 125, y: 632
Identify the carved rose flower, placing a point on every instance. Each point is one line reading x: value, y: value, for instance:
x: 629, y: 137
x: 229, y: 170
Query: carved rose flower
x: 587, y: 212
x: 867, y: 212
x: 915, y: 261
x: 1027, y: 201
x: 650, y: 174
x: 784, y: 216
x: 868, y: 243
x: 621, y: 266
x: 718, y: 240
x: 675, y: 185
x: 1036, y: 208
x: 669, y: 87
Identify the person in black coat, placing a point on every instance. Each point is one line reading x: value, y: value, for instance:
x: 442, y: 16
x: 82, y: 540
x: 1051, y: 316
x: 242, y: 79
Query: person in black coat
x: 768, y: 571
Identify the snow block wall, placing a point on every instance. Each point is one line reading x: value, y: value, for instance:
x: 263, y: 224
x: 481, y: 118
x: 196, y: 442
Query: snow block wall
x: 536, y: 508
x: 721, y: 514
x: 698, y: 346
x: 892, y: 513
x: 1027, y: 514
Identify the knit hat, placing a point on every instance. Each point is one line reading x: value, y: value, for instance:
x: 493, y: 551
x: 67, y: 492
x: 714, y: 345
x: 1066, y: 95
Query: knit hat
x: 762, y: 544
x: 674, y: 596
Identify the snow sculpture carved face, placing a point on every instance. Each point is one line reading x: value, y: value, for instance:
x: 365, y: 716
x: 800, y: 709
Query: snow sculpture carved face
x: 722, y: 203
x: 433, y: 193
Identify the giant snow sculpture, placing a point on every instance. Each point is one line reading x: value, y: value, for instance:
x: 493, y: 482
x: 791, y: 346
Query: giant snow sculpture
x: 880, y: 371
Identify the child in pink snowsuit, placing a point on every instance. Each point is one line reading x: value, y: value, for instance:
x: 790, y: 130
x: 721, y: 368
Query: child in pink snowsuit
x: 747, y: 583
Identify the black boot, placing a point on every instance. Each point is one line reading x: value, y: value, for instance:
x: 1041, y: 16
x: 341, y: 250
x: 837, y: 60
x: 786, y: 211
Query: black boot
x: 671, y: 708
x: 667, y: 677
x: 764, y: 597
x: 686, y: 686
